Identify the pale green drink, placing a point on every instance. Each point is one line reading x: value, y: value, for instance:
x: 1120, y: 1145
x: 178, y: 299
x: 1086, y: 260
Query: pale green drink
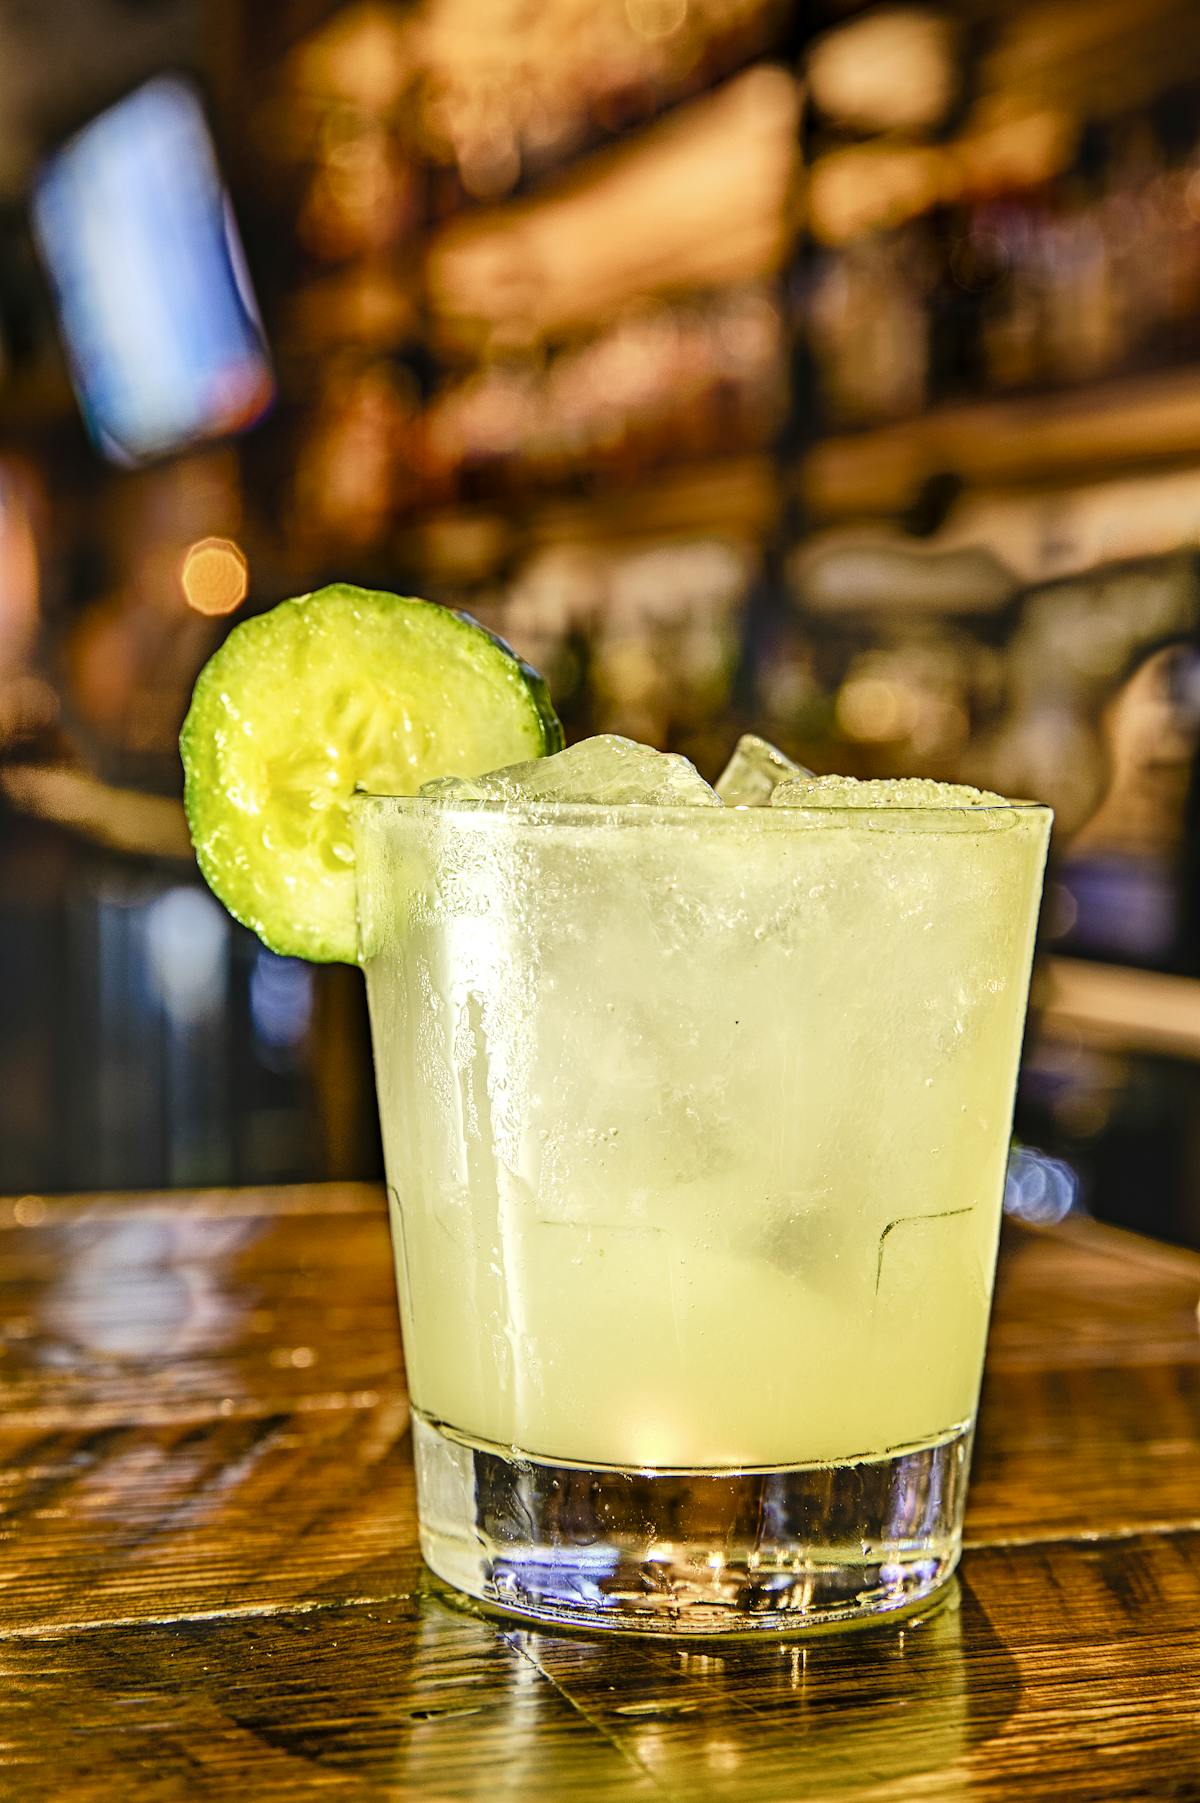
x: 696, y: 1122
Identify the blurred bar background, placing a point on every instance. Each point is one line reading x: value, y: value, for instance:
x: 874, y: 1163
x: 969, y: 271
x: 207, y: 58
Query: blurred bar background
x: 831, y: 370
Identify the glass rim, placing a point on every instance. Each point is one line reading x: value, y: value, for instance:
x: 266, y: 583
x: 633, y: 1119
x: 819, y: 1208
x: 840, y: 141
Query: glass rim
x: 544, y: 813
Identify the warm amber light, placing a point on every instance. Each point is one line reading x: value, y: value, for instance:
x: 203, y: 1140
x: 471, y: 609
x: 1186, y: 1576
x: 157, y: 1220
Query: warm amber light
x: 890, y: 70
x: 215, y: 576
x: 655, y: 19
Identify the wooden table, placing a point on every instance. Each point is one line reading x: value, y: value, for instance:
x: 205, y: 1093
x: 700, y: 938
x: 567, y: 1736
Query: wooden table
x: 210, y: 1586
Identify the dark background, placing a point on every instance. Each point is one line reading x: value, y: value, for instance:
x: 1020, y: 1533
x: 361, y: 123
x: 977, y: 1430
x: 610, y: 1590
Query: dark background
x: 828, y: 370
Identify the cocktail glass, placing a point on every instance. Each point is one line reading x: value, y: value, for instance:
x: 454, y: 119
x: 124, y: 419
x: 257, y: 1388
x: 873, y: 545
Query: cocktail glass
x: 695, y: 1123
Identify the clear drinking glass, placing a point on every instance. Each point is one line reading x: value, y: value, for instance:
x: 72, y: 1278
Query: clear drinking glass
x: 695, y: 1123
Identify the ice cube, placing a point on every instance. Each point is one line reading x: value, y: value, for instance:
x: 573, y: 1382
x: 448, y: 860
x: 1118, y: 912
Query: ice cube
x: 880, y: 792
x: 607, y: 769
x: 754, y: 771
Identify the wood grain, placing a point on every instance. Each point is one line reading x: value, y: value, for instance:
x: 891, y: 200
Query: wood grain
x: 196, y: 1308
x: 1071, y: 1669
x: 1090, y: 1416
x: 209, y: 1584
x: 134, y: 1523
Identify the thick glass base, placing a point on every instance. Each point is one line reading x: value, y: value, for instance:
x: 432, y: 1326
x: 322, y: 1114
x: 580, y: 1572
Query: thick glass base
x: 690, y: 1552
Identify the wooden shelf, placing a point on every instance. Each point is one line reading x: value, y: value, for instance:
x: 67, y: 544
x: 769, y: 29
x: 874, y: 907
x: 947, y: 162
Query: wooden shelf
x: 1103, y: 429
x: 125, y: 819
x: 732, y: 495
x: 595, y: 141
x: 1120, y: 1009
x: 667, y: 213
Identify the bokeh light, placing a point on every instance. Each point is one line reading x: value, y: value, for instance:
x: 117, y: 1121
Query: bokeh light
x: 215, y: 576
x: 1039, y: 1189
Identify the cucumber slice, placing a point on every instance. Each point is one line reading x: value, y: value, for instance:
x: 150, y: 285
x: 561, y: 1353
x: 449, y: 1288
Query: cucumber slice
x: 345, y: 688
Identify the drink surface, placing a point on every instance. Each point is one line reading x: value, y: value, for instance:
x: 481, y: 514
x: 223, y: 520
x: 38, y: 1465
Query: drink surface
x: 696, y: 1121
